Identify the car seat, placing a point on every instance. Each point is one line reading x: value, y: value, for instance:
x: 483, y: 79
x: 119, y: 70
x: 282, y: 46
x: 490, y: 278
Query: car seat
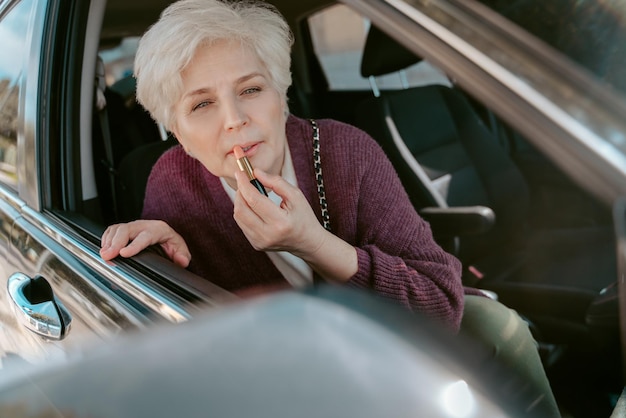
x: 132, y: 177
x: 119, y: 126
x: 446, y: 156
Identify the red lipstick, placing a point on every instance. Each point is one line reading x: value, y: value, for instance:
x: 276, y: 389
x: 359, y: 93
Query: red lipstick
x: 244, y: 165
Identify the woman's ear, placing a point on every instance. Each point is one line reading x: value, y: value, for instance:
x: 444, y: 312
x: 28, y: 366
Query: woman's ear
x: 285, y: 106
x: 174, y: 132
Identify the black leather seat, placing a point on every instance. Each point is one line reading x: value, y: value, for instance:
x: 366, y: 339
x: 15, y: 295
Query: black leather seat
x: 132, y: 177
x: 446, y: 156
x: 120, y: 125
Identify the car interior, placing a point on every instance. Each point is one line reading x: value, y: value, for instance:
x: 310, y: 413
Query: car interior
x: 447, y: 156
x: 522, y: 229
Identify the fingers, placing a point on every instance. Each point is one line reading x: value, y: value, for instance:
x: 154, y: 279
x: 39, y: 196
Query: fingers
x: 112, y: 241
x: 140, y: 240
x: 176, y: 249
x: 292, y: 226
x: 277, y: 184
x: 129, y: 239
x: 250, y: 205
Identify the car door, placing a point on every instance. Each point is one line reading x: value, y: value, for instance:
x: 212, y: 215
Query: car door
x: 57, y: 295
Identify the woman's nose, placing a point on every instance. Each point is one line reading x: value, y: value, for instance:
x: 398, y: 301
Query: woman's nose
x: 234, y: 116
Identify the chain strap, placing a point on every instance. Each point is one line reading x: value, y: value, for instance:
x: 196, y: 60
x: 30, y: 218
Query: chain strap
x: 319, y: 180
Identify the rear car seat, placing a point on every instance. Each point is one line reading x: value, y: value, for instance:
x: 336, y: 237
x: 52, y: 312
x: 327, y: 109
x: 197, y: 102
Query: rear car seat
x: 120, y: 125
x: 132, y: 177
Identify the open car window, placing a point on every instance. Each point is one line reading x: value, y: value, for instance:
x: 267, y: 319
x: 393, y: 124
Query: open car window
x: 338, y: 34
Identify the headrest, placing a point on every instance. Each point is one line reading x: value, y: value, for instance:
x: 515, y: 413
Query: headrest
x: 383, y: 55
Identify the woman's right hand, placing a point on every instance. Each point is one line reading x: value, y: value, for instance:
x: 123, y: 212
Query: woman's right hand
x: 129, y: 239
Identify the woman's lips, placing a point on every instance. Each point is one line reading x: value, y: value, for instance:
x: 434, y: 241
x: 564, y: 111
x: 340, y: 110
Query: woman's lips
x: 248, y: 150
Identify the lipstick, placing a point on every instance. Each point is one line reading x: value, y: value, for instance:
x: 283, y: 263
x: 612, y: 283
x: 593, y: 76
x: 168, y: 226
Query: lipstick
x: 244, y: 165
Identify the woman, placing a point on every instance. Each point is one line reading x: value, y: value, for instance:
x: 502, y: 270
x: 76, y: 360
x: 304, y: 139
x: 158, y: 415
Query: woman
x: 216, y: 75
x: 217, y: 78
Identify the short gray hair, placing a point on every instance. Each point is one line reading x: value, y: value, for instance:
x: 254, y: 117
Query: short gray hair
x: 170, y: 44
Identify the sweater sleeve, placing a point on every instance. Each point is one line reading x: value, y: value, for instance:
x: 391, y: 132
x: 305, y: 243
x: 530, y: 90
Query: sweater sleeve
x: 397, y: 255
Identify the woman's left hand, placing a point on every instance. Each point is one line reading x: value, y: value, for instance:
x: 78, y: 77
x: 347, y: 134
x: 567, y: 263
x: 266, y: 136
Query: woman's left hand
x: 292, y: 226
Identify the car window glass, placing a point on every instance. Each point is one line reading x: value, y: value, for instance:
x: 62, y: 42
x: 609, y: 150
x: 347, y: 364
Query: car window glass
x: 14, y: 34
x: 338, y: 34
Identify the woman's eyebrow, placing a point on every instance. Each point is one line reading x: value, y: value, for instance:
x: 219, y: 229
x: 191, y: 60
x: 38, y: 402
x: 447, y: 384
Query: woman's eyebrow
x: 197, y: 92
x: 205, y: 90
x: 248, y: 77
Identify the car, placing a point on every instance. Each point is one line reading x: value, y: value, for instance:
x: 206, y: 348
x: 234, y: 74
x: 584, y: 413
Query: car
x: 324, y: 352
x: 541, y: 85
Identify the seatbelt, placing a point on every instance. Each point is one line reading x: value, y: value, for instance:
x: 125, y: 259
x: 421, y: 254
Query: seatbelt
x: 101, y: 108
x: 410, y: 160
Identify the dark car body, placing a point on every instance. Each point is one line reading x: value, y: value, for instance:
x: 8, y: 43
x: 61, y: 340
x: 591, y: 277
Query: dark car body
x: 550, y: 73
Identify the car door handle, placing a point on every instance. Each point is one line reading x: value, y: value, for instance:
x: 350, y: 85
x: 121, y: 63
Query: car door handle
x: 36, y: 307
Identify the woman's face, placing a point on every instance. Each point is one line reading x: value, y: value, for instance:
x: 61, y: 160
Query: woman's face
x: 228, y: 100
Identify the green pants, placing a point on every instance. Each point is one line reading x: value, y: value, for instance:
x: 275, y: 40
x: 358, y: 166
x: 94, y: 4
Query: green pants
x: 507, y: 336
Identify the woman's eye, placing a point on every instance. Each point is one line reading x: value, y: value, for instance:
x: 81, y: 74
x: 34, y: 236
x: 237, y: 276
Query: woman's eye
x: 200, y: 105
x: 252, y: 90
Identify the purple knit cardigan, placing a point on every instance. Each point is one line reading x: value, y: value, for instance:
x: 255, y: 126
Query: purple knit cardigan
x: 368, y: 207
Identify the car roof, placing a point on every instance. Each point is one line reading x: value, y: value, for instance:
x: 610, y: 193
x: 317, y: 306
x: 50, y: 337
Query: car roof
x: 125, y: 18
